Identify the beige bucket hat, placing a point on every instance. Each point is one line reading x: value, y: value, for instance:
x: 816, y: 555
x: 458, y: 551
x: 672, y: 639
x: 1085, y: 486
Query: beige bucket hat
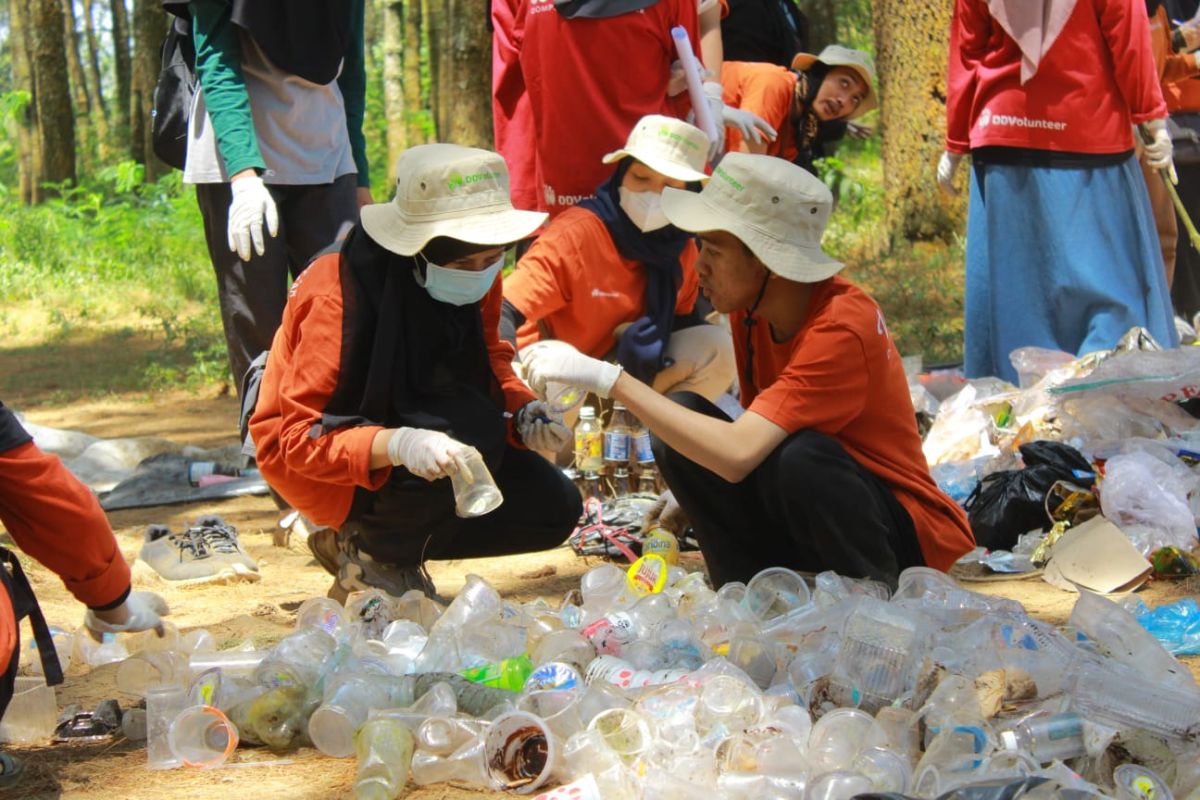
x: 667, y: 145
x: 837, y: 56
x: 448, y: 190
x: 776, y: 208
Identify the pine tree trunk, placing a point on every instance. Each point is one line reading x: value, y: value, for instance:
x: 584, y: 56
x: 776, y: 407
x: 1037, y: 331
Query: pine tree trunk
x: 393, y: 81
x: 92, y: 73
x: 911, y: 41
x: 52, y: 96
x: 85, y: 147
x: 149, y: 28
x: 461, y: 58
x: 27, y: 160
x: 413, y: 105
x: 121, y: 65
x: 822, y: 22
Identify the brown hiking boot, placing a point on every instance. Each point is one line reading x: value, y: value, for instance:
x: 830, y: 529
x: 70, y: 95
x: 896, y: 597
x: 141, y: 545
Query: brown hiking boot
x: 323, y: 545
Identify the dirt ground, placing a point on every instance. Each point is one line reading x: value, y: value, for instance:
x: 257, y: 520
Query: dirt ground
x: 265, y: 611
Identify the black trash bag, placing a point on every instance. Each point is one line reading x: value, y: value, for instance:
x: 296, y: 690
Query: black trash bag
x: 1011, y: 502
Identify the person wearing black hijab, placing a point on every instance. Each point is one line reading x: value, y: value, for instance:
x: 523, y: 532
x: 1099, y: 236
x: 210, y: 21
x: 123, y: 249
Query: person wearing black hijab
x: 388, y: 374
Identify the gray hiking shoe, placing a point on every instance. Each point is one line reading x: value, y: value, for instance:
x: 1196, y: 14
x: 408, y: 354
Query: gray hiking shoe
x: 221, y: 539
x: 180, y: 557
x: 358, y: 572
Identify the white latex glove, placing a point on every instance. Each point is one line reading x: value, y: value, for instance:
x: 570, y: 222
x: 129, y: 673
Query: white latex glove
x: 716, y: 107
x: 567, y: 365
x: 666, y: 513
x: 947, y: 166
x: 541, y: 429
x: 251, y: 203
x: 1157, y: 152
x: 142, y: 611
x: 752, y: 127
x: 522, y: 369
x: 427, y: 454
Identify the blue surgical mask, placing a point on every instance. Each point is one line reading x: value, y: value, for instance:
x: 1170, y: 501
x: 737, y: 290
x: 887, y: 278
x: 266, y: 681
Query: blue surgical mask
x: 459, y: 287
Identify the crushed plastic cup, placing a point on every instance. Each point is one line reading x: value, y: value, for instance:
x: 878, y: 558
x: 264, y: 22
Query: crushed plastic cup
x: 475, y: 492
x: 559, y: 708
x: 519, y: 752
x: 442, y: 736
x: 31, y: 712
x: 163, y: 704
x: 624, y: 731
x: 774, y: 592
x: 202, y: 736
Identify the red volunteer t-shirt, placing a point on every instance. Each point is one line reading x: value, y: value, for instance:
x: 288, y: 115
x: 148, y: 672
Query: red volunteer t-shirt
x: 575, y: 282
x: 841, y: 375
x: 511, y: 113
x: 590, y: 81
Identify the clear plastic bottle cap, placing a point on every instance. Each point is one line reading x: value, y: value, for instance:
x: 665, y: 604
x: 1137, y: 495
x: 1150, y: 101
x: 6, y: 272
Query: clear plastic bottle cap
x: 1008, y: 740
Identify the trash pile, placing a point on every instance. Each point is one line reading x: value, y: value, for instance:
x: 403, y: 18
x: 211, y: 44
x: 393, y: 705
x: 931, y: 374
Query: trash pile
x: 771, y: 689
x: 1112, y: 434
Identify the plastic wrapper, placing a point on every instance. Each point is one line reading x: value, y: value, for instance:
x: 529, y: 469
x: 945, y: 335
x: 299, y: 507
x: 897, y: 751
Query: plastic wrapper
x: 1176, y: 626
x: 1149, y: 501
x: 1171, y: 375
x: 1092, y: 420
x: 961, y: 431
x: 1034, y: 363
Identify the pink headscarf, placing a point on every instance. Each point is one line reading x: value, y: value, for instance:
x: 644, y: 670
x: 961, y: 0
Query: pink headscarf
x: 1034, y: 25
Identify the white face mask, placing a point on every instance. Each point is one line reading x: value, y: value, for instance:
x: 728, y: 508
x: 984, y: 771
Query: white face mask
x: 459, y: 287
x: 644, y: 209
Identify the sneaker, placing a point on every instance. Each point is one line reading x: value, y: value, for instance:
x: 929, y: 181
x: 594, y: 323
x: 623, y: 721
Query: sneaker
x: 358, y: 572
x: 189, y: 558
x: 222, y: 540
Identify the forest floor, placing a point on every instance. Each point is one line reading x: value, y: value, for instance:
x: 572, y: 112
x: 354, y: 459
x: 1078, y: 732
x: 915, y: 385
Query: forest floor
x: 265, y: 611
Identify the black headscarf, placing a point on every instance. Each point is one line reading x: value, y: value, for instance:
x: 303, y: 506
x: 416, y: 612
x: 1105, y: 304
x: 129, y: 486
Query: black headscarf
x: 407, y: 359
x: 308, y: 38
x: 658, y: 252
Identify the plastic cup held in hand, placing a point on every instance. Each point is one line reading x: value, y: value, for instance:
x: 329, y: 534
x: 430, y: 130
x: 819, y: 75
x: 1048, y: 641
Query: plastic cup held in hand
x: 562, y: 397
x: 202, y: 736
x: 475, y: 492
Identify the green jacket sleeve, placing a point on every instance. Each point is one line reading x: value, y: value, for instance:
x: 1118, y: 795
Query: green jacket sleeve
x: 219, y: 68
x: 353, y: 83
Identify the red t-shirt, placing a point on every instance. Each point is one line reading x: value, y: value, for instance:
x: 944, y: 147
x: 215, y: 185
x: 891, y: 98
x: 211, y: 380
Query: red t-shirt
x: 590, y: 81
x: 1096, y: 80
x: 841, y: 375
x: 318, y: 475
x: 511, y: 113
x: 575, y: 282
x: 766, y: 90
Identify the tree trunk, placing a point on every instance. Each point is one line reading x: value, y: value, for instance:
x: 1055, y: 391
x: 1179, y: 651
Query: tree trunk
x: 911, y: 45
x: 52, y: 96
x: 416, y: 129
x: 121, y: 64
x: 85, y: 148
x: 822, y: 23
x: 149, y: 28
x: 461, y: 59
x: 92, y: 73
x: 393, y: 81
x: 18, y: 22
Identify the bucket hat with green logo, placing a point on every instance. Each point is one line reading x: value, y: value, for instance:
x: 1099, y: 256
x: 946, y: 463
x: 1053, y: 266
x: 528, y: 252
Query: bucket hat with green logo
x: 774, y: 207
x: 448, y: 190
x: 666, y: 145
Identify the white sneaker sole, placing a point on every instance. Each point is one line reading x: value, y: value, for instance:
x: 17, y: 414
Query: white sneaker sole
x: 229, y: 573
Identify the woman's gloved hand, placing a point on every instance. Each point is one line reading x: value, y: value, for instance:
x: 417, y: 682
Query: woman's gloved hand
x: 666, y: 513
x: 752, y: 127
x: 427, y: 454
x: 567, y: 365
x: 1158, y: 152
x: 540, y: 429
x: 141, y: 611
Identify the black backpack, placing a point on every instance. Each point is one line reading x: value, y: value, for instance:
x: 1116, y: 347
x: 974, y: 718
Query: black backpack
x: 174, y: 91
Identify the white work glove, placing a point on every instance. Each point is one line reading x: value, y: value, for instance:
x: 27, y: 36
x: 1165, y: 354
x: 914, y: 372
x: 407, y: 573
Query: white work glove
x: 1157, y: 152
x: 427, y: 454
x: 666, y: 513
x: 540, y: 429
x: 947, y: 166
x: 752, y: 127
x: 716, y: 107
x: 251, y: 203
x: 567, y: 365
x: 144, y: 611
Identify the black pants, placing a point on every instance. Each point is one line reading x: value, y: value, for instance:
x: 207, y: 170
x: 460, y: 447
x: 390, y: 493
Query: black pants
x: 809, y: 506
x: 253, y: 293
x: 410, y: 519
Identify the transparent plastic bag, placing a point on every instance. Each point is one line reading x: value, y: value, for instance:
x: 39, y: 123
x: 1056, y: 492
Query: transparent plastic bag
x: 1149, y: 500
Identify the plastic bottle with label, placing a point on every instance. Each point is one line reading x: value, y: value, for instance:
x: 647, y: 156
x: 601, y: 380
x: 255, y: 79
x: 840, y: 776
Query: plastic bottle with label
x: 648, y: 480
x: 616, y: 439
x: 589, y: 453
x: 639, y: 443
x: 1047, y: 738
x: 620, y: 483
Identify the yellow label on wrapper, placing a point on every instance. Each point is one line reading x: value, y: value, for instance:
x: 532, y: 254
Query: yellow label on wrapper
x: 647, y: 575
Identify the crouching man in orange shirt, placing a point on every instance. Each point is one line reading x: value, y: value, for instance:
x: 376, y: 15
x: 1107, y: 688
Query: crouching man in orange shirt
x: 823, y: 470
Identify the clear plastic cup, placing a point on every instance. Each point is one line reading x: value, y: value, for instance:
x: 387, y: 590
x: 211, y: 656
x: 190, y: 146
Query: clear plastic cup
x: 876, y: 661
x: 163, y: 705
x: 520, y: 751
x: 836, y: 739
x: 31, y: 712
x: 202, y: 736
x: 774, y: 592
x: 558, y: 707
x: 1135, y: 782
x: 888, y: 771
x: 728, y: 703
x: 232, y: 663
x: 149, y: 668
x: 327, y: 615
x: 475, y: 492
x: 441, y: 736
x: 839, y: 785
x: 562, y: 397
x: 347, y: 702
x: 625, y: 732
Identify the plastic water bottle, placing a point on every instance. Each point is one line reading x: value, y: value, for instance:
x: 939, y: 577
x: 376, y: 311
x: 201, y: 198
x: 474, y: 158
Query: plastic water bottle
x: 1047, y: 738
x: 616, y: 439
x: 620, y: 482
x: 648, y: 481
x: 639, y: 438
x: 508, y: 673
x: 589, y: 455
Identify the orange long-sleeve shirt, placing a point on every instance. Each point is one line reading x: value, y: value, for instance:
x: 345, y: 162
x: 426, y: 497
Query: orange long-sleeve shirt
x: 319, y: 475
x: 1177, y: 71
